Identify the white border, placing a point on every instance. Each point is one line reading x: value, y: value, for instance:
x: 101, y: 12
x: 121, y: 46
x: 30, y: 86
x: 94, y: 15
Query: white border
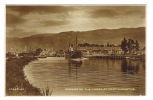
x: 75, y: 1
x: 149, y: 42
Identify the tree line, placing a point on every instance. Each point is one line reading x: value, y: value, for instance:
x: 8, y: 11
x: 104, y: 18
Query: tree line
x: 129, y: 45
x: 96, y: 45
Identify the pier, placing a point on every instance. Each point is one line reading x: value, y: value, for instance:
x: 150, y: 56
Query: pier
x: 113, y: 56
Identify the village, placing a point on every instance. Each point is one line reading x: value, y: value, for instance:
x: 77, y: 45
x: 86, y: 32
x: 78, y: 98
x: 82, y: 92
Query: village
x: 87, y: 49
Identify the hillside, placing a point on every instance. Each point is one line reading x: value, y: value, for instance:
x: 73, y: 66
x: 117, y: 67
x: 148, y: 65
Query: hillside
x: 62, y: 40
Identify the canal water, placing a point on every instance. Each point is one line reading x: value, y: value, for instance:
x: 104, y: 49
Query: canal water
x: 90, y: 77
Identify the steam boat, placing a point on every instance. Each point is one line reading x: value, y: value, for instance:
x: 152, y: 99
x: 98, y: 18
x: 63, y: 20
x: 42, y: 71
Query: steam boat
x: 75, y: 55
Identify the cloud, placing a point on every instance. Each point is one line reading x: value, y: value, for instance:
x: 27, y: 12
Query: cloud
x: 17, y: 14
x: 23, y: 10
x: 139, y: 13
x: 118, y: 11
x: 54, y: 22
x: 54, y: 19
x: 104, y: 13
x: 15, y: 32
x: 13, y: 20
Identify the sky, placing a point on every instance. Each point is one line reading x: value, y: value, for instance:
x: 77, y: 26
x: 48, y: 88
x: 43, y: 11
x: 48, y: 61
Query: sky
x: 27, y: 20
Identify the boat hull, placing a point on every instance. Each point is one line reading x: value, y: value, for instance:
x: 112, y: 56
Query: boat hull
x: 79, y: 59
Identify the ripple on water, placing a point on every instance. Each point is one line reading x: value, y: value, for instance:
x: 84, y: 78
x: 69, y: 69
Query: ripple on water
x: 94, y: 73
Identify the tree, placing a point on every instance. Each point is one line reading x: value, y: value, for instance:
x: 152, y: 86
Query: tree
x: 108, y: 45
x: 130, y: 45
x: 124, y: 45
x: 10, y: 54
x: 38, y: 51
x: 137, y: 45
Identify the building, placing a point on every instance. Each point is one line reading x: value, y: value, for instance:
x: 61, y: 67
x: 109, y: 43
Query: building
x: 48, y: 52
x: 100, y: 49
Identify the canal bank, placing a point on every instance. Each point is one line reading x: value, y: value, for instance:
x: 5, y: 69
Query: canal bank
x: 16, y: 83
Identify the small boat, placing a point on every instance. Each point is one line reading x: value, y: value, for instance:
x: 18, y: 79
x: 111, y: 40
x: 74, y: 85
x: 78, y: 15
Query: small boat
x: 41, y: 56
x: 79, y: 59
x: 134, y: 58
x: 75, y: 55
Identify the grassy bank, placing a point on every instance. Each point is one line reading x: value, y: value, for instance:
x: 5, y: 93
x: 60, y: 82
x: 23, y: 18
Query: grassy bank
x: 16, y: 83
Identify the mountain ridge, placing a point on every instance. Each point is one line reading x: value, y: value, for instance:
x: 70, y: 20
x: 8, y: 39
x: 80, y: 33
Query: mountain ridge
x: 61, y: 40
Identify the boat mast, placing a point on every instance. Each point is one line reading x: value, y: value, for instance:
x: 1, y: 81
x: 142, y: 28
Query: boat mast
x: 76, y: 43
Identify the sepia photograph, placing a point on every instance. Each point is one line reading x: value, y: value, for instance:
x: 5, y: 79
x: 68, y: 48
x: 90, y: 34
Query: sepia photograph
x: 75, y: 50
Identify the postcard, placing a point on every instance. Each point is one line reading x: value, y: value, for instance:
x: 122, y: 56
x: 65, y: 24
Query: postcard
x: 75, y: 50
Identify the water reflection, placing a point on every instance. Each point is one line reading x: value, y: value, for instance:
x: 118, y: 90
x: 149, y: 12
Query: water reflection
x: 130, y: 67
x: 93, y: 73
x: 74, y: 65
